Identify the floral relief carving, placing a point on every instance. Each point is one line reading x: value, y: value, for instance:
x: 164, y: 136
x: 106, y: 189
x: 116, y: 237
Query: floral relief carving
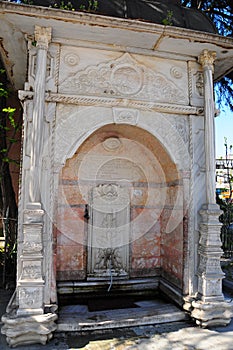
x: 108, y: 191
x: 29, y: 297
x: 31, y: 272
x: 123, y: 77
x: 32, y: 247
x: 125, y: 116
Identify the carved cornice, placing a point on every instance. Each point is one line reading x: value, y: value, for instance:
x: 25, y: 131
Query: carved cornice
x: 114, y: 102
x: 43, y: 37
x: 207, y: 58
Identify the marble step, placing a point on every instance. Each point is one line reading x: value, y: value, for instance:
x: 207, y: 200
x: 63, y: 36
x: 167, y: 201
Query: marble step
x: 147, y: 312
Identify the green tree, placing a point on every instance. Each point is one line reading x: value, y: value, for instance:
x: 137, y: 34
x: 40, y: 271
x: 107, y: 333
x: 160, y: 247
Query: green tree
x: 221, y: 14
x: 9, y: 135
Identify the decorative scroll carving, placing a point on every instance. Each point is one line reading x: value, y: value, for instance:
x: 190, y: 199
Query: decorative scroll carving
x: 125, y: 116
x: 123, y: 77
x: 199, y: 84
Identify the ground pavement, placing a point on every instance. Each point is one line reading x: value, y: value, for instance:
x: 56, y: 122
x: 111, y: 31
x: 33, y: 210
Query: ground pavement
x: 169, y: 336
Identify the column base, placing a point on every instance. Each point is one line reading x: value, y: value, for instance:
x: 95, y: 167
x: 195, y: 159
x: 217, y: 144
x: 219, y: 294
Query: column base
x: 208, y: 314
x: 25, y: 330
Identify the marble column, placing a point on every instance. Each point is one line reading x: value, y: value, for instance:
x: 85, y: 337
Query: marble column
x: 42, y: 39
x: 209, y: 308
x: 30, y: 322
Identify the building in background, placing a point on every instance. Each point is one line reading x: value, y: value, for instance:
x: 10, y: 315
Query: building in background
x: 224, y: 177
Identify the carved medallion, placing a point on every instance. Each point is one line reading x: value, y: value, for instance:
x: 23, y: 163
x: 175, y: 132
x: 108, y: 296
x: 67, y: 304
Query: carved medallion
x: 112, y: 144
x: 176, y: 73
x: 127, y: 80
x: 71, y: 59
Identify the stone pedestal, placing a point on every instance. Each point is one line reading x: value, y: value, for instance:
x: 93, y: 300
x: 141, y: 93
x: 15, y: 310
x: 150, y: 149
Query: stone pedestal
x: 209, y: 308
x: 208, y: 314
x: 26, y: 322
x: 28, y: 329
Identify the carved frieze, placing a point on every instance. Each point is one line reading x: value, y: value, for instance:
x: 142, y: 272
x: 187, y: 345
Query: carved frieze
x: 123, y: 77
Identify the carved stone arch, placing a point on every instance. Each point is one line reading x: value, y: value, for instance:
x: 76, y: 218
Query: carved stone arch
x: 155, y: 201
x: 71, y: 136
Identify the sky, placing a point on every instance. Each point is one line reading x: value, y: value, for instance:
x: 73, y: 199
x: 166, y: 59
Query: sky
x: 223, y: 128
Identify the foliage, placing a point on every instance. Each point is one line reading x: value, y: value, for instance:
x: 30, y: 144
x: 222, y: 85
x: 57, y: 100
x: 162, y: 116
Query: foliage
x: 227, y: 207
x: 9, y: 129
x: 9, y: 135
x: 220, y: 13
x: 69, y: 5
x: 168, y: 20
x: 226, y: 230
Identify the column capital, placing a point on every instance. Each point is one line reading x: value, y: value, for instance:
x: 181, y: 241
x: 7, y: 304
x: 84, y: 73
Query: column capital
x: 207, y: 58
x: 43, y: 36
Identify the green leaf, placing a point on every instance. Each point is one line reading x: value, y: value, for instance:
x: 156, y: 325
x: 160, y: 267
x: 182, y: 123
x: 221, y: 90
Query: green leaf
x: 6, y: 159
x: 10, y: 111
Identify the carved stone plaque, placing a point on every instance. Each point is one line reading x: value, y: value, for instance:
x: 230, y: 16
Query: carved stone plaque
x: 108, y: 231
x: 123, y: 77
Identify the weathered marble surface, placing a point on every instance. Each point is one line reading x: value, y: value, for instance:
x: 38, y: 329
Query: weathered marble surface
x: 121, y: 106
